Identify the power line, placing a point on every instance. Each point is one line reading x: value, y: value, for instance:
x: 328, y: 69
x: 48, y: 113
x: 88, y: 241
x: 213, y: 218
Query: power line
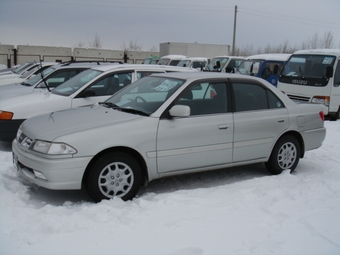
x: 291, y: 19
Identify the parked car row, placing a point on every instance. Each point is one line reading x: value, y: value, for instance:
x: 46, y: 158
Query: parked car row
x: 110, y: 128
x: 67, y: 86
x: 266, y: 66
x: 36, y: 68
x: 48, y: 79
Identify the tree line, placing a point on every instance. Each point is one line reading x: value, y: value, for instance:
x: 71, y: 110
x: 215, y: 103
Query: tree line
x: 315, y: 42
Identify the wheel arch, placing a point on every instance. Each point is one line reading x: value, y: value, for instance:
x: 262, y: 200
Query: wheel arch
x: 127, y: 150
x: 299, y: 138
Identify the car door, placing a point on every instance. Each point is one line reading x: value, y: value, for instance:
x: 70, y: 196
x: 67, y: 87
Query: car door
x: 259, y: 118
x: 204, y: 139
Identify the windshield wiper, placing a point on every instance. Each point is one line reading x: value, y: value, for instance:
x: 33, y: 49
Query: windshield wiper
x: 300, y: 72
x: 116, y: 107
x: 43, y: 78
x: 131, y: 110
x: 109, y: 104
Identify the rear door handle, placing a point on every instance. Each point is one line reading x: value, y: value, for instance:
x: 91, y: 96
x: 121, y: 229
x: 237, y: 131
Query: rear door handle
x: 223, y: 126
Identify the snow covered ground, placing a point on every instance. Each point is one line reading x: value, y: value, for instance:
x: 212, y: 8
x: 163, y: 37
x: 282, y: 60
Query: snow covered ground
x: 232, y: 211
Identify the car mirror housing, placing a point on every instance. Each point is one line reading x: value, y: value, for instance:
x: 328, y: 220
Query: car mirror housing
x: 180, y: 111
x: 88, y: 93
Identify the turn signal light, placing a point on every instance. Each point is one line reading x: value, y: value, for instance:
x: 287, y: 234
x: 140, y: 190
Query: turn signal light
x: 6, y: 115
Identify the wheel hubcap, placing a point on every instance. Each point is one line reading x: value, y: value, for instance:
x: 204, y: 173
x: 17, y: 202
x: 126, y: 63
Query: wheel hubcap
x: 287, y: 155
x: 116, y: 179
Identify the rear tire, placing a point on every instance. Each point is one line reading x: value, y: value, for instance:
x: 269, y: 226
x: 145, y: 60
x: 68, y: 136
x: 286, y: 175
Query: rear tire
x: 115, y: 174
x: 285, y: 155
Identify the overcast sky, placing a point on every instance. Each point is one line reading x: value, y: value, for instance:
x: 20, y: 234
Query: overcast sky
x: 151, y: 22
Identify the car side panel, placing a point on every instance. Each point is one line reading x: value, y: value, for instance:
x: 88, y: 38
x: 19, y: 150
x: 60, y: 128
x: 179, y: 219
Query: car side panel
x: 255, y: 132
x: 199, y: 141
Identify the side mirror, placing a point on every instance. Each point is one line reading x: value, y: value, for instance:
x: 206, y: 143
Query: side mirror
x: 329, y: 71
x: 180, y: 111
x: 88, y: 93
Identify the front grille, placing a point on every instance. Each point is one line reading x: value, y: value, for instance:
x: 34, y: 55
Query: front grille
x: 23, y: 167
x: 299, y: 98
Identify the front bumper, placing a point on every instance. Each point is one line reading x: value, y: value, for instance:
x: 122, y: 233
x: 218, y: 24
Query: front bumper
x: 51, y: 173
x: 9, y: 129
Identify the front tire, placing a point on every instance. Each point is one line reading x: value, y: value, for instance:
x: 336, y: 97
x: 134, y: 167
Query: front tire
x: 285, y: 155
x: 115, y: 174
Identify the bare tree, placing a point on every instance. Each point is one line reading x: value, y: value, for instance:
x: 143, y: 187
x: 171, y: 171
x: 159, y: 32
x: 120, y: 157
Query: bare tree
x: 153, y: 48
x: 80, y: 45
x: 133, y: 45
x: 245, y: 51
x: 96, y: 43
x: 316, y: 42
x: 328, y: 40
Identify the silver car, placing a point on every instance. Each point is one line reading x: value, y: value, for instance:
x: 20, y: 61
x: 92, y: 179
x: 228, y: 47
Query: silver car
x: 167, y: 124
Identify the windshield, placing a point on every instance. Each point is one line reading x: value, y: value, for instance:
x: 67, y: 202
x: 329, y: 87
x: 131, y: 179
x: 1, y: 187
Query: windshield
x: 21, y: 68
x: 307, y: 66
x: 37, y: 78
x: 164, y: 61
x: 72, y: 85
x: 184, y: 63
x: 250, y: 67
x: 151, y: 60
x: 217, y: 64
x: 147, y: 61
x: 145, y: 95
x: 29, y: 72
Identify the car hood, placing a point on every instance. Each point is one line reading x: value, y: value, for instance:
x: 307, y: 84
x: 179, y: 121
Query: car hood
x: 51, y: 126
x: 15, y: 89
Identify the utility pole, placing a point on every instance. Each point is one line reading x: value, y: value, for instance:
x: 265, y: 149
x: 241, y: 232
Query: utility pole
x: 234, y: 34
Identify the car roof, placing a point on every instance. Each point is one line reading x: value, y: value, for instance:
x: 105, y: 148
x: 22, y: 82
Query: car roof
x: 172, y: 56
x: 82, y: 64
x: 205, y: 75
x: 195, y: 58
x: 270, y: 56
x: 105, y: 68
x: 226, y: 56
x: 335, y: 52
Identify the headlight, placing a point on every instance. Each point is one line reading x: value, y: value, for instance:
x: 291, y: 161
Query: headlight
x: 18, y: 134
x: 321, y: 100
x: 53, y: 148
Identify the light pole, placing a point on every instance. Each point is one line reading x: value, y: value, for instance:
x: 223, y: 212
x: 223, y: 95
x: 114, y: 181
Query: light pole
x: 234, y: 34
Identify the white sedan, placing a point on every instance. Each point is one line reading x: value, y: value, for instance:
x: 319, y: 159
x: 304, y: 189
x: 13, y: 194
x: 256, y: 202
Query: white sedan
x: 167, y: 124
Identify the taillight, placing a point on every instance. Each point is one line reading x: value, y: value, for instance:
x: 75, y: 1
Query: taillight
x: 322, y: 116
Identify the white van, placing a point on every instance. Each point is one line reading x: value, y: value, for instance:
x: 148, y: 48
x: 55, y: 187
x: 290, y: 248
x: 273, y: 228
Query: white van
x: 223, y: 64
x: 266, y: 66
x: 194, y: 62
x: 170, y: 60
x: 313, y: 76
